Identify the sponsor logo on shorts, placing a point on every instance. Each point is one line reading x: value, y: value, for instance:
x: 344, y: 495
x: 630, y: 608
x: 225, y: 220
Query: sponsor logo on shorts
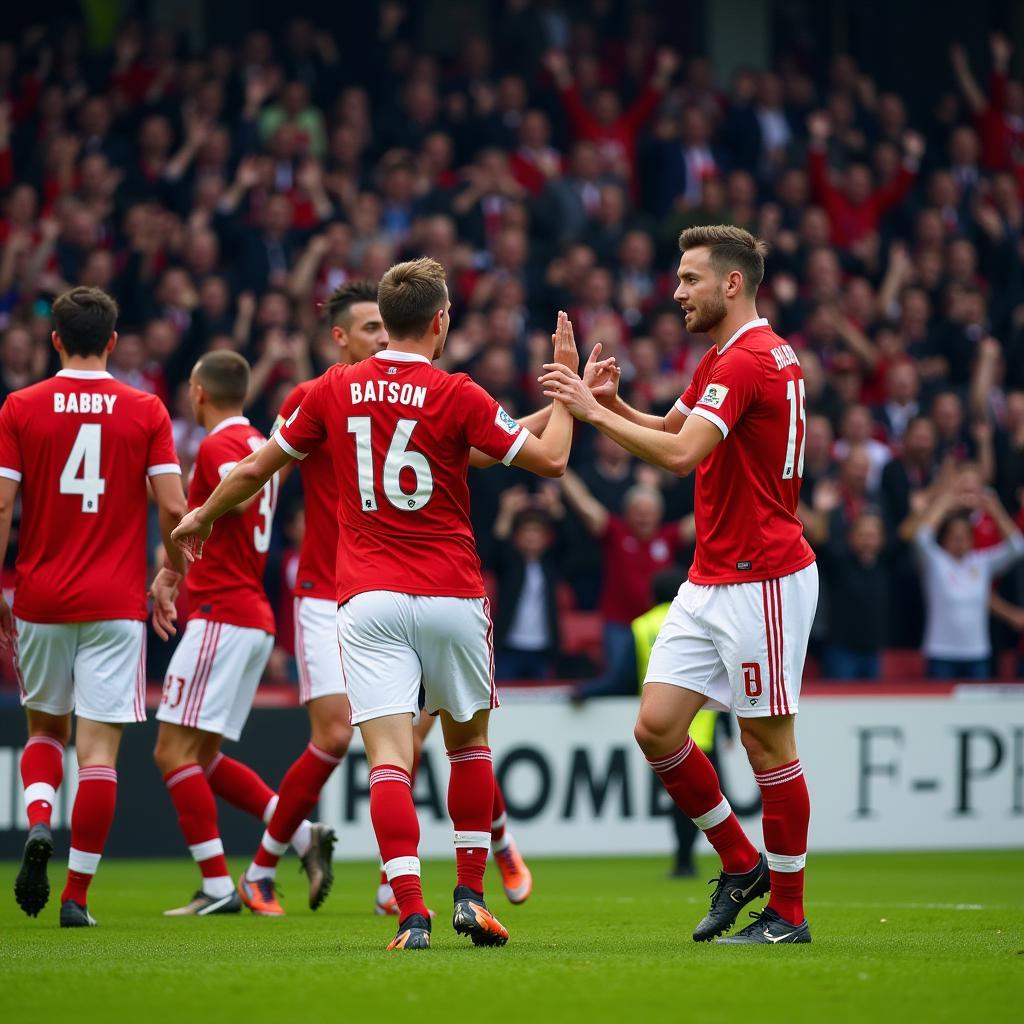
x: 744, y: 566
x: 714, y: 395
x: 503, y: 420
x: 306, y: 585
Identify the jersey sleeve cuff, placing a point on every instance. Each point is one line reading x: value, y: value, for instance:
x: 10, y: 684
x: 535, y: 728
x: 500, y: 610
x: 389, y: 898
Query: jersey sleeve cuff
x: 684, y: 409
x: 164, y: 467
x: 712, y: 418
x: 293, y: 452
x: 517, y: 442
x: 10, y: 474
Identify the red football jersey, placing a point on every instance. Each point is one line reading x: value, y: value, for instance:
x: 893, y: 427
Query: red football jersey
x: 320, y: 490
x: 82, y: 445
x: 226, y: 584
x: 399, y: 432
x: 747, y: 488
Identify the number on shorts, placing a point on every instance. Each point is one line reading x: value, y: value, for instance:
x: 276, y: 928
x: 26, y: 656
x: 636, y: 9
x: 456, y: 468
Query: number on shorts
x: 171, y: 682
x: 797, y: 410
x: 81, y: 473
x: 752, y: 679
x: 398, y: 458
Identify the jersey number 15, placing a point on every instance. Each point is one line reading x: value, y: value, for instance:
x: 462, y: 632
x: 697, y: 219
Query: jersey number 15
x: 797, y: 411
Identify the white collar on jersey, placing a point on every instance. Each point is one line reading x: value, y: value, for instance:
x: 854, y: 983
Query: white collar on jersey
x: 85, y: 374
x: 761, y: 321
x: 231, y: 421
x: 401, y: 357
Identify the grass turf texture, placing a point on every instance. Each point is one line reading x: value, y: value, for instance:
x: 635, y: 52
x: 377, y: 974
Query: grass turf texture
x: 896, y: 937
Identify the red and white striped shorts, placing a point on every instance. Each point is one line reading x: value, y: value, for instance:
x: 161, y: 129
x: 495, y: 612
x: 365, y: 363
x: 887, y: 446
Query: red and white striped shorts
x: 742, y: 645
x: 212, y: 678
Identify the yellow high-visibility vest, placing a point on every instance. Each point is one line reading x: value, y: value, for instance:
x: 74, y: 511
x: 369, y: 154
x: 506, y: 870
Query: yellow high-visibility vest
x: 645, y: 631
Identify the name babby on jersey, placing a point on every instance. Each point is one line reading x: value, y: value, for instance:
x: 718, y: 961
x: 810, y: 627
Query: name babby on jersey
x: 85, y: 402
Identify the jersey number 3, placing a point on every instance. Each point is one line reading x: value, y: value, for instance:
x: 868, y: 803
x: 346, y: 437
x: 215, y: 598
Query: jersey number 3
x: 398, y: 458
x: 81, y: 473
x: 797, y: 411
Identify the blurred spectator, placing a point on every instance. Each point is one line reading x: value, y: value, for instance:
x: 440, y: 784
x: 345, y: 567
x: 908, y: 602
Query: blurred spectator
x: 526, y: 620
x: 859, y: 587
x: 957, y: 582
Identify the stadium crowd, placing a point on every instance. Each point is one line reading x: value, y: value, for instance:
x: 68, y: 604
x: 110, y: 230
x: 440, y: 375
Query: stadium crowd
x: 222, y: 195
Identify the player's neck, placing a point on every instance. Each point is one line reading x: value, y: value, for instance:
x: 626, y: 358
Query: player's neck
x: 733, y: 321
x: 416, y: 347
x: 213, y: 418
x: 94, y: 364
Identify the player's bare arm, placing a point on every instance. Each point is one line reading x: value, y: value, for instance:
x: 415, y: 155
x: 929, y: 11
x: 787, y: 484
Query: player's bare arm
x: 678, y: 452
x: 606, y: 391
x: 548, y: 455
x: 171, y: 506
x: 597, y: 374
x: 8, y: 493
x: 244, y: 481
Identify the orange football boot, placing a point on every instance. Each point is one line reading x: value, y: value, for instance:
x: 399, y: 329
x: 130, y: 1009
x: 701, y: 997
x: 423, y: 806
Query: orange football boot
x: 515, y: 875
x: 260, y: 896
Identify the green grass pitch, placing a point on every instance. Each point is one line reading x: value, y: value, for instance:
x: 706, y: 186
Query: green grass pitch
x: 907, y: 937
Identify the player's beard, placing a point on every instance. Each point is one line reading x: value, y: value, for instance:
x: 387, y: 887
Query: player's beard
x: 709, y: 316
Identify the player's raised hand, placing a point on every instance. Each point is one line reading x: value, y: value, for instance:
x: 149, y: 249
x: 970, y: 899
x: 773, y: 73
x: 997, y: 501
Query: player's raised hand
x: 8, y: 631
x: 164, y: 592
x: 563, y: 385
x: 564, y: 343
x: 602, y: 376
x: 190, y: 535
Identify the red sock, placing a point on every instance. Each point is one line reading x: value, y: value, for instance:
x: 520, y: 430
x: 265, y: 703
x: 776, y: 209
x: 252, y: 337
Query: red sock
x: 240, y: 786
x: 470, y: 803
x: 692, y: 782
x: 498, y: 820
x: 297, y: 796
x: 197, y: 816
x: 784, y: 818
x: 398, y: 835
x: 91, y: 819
x: 42, y: 770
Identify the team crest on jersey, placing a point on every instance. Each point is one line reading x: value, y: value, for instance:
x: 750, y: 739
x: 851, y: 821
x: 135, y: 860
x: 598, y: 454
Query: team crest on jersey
x: 714, y: 395
x: 503, y: 420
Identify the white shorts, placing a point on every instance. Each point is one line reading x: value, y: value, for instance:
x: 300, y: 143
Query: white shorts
x: 316, y: 648
x: 392, y: 643
x: 213, y: 675
x: 742, y: 645
x: 96, y: 669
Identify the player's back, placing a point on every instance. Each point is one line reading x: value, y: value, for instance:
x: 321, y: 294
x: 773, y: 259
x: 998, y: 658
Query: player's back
x: 748, y: 488
x: 400, y: 432
x: 82, y: 445
x: 315, y: 575
x: 226, y: 584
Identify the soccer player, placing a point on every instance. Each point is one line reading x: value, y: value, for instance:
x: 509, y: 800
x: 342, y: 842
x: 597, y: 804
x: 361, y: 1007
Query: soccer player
x: 412, y: 609
x: 736, y: 634
x: 216, y: 667
x: 82, y: 448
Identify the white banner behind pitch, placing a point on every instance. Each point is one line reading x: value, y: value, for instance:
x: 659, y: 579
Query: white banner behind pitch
x: 885, y: 773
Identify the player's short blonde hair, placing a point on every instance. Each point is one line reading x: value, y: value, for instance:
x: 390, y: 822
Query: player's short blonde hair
x: 224, y: 376
x: 409, y: 295
x: 730, y: 248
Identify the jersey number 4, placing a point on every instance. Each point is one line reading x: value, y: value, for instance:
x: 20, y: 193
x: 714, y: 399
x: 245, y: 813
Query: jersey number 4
x: 797, y: 411
x: 398, y: 458
x: 81, y: 473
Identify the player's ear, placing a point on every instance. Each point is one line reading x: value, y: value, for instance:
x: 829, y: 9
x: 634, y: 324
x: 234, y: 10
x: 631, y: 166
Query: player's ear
x: 338, y: 335
x: 55, y: 342
x: 436, y: 323
x: 112, y: 342
x: 734, y: 283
